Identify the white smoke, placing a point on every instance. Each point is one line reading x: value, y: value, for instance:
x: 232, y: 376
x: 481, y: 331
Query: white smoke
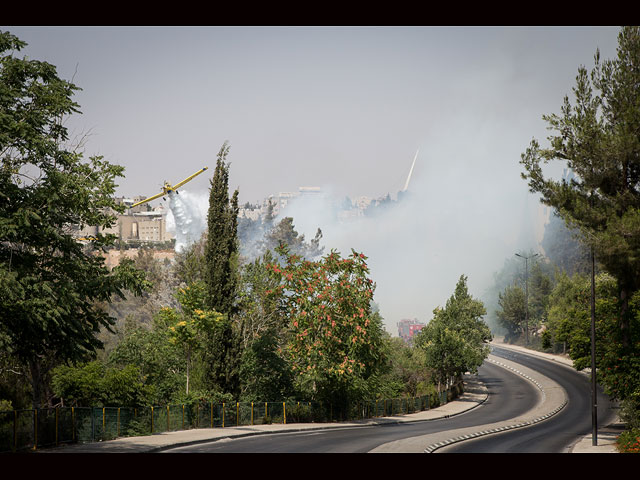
x: 444, y: 226
x: 418, y: 247
x: 186, y: 218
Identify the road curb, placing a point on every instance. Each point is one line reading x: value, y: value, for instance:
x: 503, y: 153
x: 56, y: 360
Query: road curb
x: 433, y: 447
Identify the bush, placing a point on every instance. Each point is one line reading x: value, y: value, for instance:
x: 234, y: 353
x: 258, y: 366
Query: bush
x: 629, y: 441
x: 630, y: 412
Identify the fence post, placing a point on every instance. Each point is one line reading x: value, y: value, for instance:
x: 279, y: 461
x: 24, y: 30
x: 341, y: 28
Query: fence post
x: 222, y: 414
x: 251, y: 413
x: 211, y: 415
x: 168, y: 425
x: 237, y: 414
x: 284, y: 412
x: 183, y: 416
x: 152, y: 420
x: 118, y: 424
x: 57, y: 418
x: 15, y: 430
x: 35, y: 428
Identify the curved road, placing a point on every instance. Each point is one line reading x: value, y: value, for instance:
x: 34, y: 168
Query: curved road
x: 503, y: 386
x: 555, y: 435
x: 510, y: 395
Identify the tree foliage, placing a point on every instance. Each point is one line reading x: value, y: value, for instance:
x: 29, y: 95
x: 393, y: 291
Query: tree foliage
x: 455, y: 340
x: 161, y: 363
x: 284, y: 233
x: 259, y: 311
x: 221, y: 250
x: 94, y: 384
x: 597, y: 138
x: 50, y: 283
x: 512, y: 312
x: 570, y: 324
x: 334, y: 337
x: 190, y: 326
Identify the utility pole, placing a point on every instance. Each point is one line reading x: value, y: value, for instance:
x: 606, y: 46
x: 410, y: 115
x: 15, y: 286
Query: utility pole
x: 526, y: 294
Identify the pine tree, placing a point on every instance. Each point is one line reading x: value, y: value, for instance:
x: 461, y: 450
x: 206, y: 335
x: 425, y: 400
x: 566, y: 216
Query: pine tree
x: 598, y: 139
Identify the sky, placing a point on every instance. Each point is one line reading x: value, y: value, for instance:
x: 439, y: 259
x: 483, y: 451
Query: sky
x: 345, y: 109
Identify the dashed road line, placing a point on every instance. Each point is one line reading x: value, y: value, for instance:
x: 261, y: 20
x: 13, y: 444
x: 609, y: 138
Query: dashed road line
x: 432, y: 448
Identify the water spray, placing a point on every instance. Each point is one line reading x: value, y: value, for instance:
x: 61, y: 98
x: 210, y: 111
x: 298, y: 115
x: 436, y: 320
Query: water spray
x: 188, y: 220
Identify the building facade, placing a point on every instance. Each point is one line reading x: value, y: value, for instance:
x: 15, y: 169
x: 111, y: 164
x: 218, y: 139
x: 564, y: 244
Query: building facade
x: 408, y: 328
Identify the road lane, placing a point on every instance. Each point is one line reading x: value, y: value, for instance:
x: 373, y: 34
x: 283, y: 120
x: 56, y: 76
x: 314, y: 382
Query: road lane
x: 510, y: 396
x: 556, y: 435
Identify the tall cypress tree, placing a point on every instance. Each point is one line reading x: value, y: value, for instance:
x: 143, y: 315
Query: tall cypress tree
x: 221, y: 250
x: 222, y: 358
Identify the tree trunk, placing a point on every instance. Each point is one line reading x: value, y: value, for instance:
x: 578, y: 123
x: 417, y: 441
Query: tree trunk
x: 624, y: 323
x: 36, y: 383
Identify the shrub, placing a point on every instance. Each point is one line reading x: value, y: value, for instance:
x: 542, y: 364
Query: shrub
x: 629, y: 441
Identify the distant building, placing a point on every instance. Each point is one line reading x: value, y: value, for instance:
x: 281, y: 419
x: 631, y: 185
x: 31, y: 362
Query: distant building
x: 138, y: 224
x: 408, y: 328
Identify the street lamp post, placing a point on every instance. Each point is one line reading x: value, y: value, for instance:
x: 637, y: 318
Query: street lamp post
x: 526, y: 294
x: 594, y: 392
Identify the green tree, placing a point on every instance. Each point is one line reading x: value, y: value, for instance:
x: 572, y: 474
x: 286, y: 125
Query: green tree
x: 284, y: 233
x: 50, y: 283
x: 335, y: 339
x: 259, y: 311
x: 221, y: 359
x: 512, y: 312
x: 221, y: 250
x: 570, y: 324
x: 455, y: 340
x: 266, y: 374
x: 222, y: 356
x: 161, y: 362
x: 188, y: 328
x: 408, y: 374
x: 597, y: 139
x: 95, y: 385
x: 190, y: 265
x: 540, y: 287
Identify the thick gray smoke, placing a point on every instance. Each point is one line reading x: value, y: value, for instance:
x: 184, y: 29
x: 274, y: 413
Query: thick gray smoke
x: 456, y: 217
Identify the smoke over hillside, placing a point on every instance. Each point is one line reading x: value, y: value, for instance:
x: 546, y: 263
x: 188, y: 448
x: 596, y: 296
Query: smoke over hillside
x: 455, y: 218
x: 419, y: 245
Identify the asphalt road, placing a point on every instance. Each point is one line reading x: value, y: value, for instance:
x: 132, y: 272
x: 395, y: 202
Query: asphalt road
x: 555, y: 435
x: 510, y: 395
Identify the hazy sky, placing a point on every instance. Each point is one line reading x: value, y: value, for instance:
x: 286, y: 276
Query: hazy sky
x: 343, y: 108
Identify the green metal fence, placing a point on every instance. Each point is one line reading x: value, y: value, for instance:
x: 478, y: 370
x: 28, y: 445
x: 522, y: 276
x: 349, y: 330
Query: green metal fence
x: 22, y: 430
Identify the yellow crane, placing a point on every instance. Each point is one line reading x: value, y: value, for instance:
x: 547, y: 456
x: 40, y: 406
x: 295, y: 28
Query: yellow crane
x: 168, y: 188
